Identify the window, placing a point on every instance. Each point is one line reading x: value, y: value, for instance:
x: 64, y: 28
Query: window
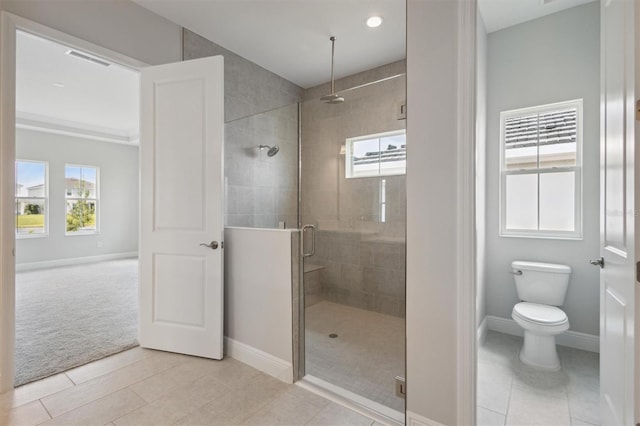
x: 541, y: 171
x: 81, y: 190
x: 32, y: 194
x: 384, y: 154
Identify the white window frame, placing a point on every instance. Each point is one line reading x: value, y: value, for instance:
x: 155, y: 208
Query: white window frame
x: 576, y: 234
x: 45, y: 198
x: 97, y: 200
x: 348, y: 166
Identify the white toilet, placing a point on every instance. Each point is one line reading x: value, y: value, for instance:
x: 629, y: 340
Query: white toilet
x: 542, y: 288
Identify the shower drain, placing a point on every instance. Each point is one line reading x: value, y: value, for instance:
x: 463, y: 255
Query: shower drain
x: 333, y: 335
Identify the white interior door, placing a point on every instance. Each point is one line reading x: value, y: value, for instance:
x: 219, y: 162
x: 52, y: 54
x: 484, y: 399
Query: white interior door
x: 181, y: 278
x: 617, y: 280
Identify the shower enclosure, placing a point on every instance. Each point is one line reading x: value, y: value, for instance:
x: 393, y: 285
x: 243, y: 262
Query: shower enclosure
x: 339, y: 177
x: 353, y: 157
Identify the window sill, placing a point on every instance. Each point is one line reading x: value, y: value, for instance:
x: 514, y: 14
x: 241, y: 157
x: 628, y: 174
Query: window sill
x: 28, y: 237
x: 81, y: 234
x: 575, y: 237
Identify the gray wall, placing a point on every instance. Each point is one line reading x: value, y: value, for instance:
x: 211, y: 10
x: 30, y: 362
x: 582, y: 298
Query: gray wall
x: 260, y: 109
x: 118, y: 201
x: 481, y: 167
x: 363, y: 258
x: 551, y: 59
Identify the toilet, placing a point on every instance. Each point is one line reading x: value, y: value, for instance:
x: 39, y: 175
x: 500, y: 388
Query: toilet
x: 541, y: 287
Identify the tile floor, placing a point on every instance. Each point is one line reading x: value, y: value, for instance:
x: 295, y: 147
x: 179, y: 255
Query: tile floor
x: 511, y: 393
x: 366, y: 356
x: 145, y: 387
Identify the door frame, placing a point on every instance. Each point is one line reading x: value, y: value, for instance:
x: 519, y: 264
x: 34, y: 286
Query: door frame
x: 466, y: 316
x: 9, y: 25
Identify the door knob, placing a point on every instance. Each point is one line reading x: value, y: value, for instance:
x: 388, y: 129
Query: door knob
x: 212, y: 245
x: 598, y: 262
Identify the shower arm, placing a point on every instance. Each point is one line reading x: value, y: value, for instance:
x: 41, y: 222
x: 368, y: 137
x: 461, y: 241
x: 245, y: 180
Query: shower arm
x: 333, y: 51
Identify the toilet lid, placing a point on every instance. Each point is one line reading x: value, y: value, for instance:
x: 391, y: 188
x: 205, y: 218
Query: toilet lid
x: 542, y: 314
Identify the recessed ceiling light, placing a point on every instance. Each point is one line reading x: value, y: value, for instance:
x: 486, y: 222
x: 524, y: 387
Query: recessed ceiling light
x: 374, y: 21
x: 58, y: 84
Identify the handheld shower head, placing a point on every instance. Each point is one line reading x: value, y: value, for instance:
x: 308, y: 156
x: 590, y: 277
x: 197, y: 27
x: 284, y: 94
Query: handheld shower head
x: 272, y: 150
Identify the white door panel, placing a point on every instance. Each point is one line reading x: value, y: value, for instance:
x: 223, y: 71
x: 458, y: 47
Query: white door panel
x: 617, y: 280
x: 181, y: 280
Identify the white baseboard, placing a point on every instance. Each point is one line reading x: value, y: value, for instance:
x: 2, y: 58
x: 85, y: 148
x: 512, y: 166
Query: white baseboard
x: 267, y: 363
x: 414, y: 419
x: 572, y: 339
x: 30, y: 266
x: 482, y: 331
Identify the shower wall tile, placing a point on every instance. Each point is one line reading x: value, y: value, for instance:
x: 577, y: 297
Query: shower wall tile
x: 260, y: 109
x: 364, y: 257
x: 360, y: 271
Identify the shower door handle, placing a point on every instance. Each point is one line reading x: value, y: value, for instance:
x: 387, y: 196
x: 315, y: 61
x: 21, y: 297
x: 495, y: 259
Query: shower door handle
x: 313, y: 240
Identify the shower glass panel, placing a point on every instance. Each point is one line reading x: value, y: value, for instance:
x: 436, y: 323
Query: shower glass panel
x: 261, y: 169
x: 353, y: 191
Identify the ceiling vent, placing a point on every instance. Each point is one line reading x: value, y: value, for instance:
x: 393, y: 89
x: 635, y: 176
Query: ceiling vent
x: 89, y: 58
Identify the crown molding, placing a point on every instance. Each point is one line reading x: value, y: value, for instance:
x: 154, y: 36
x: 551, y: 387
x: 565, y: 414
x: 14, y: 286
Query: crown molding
x: 57, y: 126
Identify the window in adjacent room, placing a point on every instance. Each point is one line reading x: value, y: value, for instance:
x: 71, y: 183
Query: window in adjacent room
x: 31, y: 197
x: 382, y: 154
x: 82, y: 195
x: 541, y: 163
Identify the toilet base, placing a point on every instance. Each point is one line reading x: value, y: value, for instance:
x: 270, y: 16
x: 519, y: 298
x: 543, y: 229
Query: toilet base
x: 539, y: 351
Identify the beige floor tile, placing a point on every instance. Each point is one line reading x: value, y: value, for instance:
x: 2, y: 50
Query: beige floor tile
x: 100, y: 411
x: 584, y: 404
x: 549, y: 382
x: 106, y: 365
x: 177, y: 404
x: 499, y: 348
x: 489, y: 418
x: 578, y: 422
x: 237, y: 375
x: 238, y: 404
x: 493, y: 395
x: 531, y: 407
x: 334, y: 414
x: 34, y: 391
x: 32, y: 413
x: 91, y: 390
x: 166, y: 381
x: 309, y: 397
x: 285, y: 409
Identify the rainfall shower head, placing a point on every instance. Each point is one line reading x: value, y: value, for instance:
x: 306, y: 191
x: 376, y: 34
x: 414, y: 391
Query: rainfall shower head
x: 332, y: 98
x: 272, y: 150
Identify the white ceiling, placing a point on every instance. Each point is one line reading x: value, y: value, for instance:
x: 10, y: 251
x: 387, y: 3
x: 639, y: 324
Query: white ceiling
x: 291, y: 37
x: 94, y: 97
x: 287, y: 37
x: 500, y: 14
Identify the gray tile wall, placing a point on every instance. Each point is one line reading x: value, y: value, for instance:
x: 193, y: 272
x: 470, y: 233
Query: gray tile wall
x: 364, y: 258
x: 260, y: 109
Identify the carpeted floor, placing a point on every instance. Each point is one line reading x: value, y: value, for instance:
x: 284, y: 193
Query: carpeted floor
x: 70, y: 316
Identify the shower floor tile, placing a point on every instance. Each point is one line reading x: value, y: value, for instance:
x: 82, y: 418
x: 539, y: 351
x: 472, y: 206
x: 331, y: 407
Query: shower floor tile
x: 364, y: 358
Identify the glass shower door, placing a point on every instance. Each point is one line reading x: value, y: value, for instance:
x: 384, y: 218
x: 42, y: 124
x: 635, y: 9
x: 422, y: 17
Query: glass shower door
x: 353, y: 158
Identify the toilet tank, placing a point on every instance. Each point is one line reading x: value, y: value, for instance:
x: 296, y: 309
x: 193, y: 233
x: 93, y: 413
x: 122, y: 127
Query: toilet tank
x: 544, y: 283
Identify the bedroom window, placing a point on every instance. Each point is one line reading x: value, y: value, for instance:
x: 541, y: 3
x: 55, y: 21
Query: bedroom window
x: 541, y: 170
x: 31, y: 199
x: 82, y: 196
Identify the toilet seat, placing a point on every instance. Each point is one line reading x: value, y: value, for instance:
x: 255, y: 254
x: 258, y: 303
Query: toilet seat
x: 539, y: 314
